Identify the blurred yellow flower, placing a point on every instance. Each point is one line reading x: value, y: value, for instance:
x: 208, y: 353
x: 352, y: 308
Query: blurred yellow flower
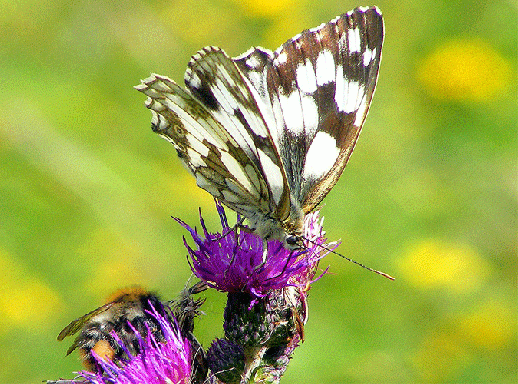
x: 29, y: 304
x: 465, y: 69
x: 435, y: 264
x: 25, y: 301
x: 183, y: 191
x: 265, y: 8
x: 439, y: 358
x: 492, y: 325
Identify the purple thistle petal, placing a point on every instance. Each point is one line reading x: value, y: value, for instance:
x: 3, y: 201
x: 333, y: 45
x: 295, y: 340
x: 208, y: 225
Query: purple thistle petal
x: 233, y: 260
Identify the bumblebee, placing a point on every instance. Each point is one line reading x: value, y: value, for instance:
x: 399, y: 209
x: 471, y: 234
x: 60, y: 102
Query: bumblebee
x: 125, y: 312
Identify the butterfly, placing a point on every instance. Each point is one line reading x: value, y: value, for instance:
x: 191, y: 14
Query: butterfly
x: 269, y: 133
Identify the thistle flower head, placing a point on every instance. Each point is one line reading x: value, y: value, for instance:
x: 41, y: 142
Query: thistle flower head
x: 233, y: 260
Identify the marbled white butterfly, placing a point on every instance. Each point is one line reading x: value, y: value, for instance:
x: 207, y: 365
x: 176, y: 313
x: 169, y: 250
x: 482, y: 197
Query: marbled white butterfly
x: 269, y: 133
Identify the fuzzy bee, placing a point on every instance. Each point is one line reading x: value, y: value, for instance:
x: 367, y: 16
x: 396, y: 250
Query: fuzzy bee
x: 125, y: 312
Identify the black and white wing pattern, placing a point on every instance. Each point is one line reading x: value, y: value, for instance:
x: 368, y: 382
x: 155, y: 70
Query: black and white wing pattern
x: 319, y: 85
x: 221, y: 135
x: 269, y: 133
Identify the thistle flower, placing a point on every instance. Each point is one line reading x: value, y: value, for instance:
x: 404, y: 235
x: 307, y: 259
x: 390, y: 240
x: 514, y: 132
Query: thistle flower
x: 233, y: 260
x: 266, y: 305
x: 159, y: 362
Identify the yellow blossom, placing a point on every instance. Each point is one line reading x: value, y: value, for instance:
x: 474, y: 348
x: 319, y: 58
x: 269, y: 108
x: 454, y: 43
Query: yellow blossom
x: 465, y: 69
x: 265, y: 8
x: 25, y: 301
x: 491, y: 325
x: 436, y: 264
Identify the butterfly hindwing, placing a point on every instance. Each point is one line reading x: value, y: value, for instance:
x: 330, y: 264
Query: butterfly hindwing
x: 220, y: 134
x: 218, y: 83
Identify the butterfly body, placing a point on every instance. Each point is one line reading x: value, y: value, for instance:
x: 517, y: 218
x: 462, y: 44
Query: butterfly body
x: 269, y: 133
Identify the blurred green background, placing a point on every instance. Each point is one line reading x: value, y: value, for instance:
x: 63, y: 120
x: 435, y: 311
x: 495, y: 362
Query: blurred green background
x: 429, y: 196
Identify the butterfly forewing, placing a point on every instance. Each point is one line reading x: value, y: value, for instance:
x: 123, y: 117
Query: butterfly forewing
x: 321, y: 84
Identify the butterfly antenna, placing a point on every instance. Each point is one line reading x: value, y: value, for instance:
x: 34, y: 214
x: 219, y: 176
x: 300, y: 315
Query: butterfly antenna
x: 352, y: 261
